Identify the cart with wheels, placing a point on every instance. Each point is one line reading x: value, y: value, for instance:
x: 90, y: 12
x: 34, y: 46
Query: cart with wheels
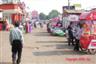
x: 88, y: 37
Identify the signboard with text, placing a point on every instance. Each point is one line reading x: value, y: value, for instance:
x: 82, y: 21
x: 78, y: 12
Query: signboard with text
x: 69, y: 7
x: 73, y: 18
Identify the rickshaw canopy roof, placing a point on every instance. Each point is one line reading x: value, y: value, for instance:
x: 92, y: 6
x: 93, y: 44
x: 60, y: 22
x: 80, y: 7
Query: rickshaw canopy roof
x: 88, y: 15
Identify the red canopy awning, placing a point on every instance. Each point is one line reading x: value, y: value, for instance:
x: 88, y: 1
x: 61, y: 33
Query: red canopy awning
x: 94, y: 15
x: 88, y: 15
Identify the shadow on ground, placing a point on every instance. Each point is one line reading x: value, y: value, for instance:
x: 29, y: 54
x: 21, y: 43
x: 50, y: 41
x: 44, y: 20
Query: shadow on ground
x: 61, y: 49
x: 59, y: 46
x: 51, y: 41
x: 41, y: 34
x: 58, y: 53
x: 63, y: 46
x: 46, y: 34
x: 5, y: 63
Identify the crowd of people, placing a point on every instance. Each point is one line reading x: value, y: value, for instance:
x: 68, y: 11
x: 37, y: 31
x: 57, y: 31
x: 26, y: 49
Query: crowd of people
x: 24, y: 26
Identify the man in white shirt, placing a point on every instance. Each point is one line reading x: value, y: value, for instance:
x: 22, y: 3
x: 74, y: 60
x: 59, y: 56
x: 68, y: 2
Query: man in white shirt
x: 16, y: 41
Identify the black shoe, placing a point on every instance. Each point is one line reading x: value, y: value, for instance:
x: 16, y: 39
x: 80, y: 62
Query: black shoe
x: 13, y: 61
x: 18, y: 61
x: 73, y: 44
x: 68, y: 44
x: 75, y: 49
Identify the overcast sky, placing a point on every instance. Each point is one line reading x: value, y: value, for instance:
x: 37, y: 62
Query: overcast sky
x: 46, y: 6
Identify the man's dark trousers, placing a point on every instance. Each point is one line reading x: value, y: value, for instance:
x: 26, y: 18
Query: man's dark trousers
x: 16, y: 49
x: 77, y: 45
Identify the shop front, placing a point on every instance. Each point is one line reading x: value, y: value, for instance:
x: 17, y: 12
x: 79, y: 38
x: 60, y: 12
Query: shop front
x: 11, y: 12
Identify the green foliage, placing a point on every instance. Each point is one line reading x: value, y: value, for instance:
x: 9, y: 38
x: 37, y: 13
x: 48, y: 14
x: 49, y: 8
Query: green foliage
x: 53, y: 14
x: 42, y: 16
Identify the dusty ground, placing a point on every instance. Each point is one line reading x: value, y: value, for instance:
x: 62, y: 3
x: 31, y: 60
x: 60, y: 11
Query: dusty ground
x: 42, y: 48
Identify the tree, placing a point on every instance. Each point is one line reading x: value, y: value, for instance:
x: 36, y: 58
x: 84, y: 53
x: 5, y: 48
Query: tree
x: 42, y: 16
x: 53, y: 14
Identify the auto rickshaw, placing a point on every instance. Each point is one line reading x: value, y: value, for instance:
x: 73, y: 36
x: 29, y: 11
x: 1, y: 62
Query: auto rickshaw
x: 88, y: 37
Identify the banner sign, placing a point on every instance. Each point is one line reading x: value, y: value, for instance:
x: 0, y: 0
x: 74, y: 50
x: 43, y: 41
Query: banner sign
x: 73, y: 18
x: 77, y: 5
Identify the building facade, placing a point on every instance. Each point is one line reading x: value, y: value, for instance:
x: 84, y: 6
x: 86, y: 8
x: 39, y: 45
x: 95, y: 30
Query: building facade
x: 10, y: 1
x: 12, y: 11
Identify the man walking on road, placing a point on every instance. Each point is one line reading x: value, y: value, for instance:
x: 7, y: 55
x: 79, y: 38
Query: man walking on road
x: 16, y: 40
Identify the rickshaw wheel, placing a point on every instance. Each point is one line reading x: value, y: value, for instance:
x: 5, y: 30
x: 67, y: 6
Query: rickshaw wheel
x: 82, y: 49
x: 92, y: 51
